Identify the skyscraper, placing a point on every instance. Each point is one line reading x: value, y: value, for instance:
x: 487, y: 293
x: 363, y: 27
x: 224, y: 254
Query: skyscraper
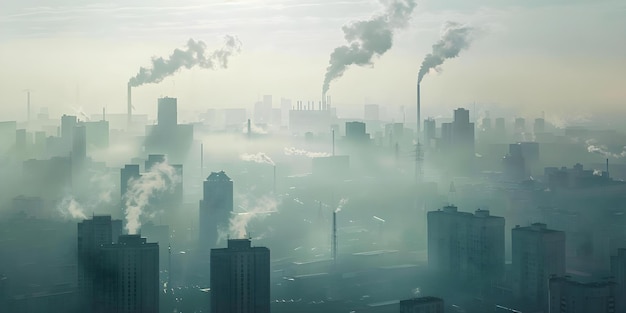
x: 167, y: 112
x: 130, y: 171
x: 569, y: 296
x: 538, y: 253
x: 466, y: 246
x: 128, y: 280
x: 240, y: 278
x: 618, y: 270
x: 216, y: 207
x: 92, y: 235
x: 457, y: 141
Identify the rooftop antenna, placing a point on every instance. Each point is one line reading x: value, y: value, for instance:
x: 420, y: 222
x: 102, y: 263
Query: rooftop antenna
x: 27, y: 104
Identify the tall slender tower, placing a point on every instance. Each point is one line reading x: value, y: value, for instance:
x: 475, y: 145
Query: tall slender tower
x: 419, y: 117
x: 216, y: 207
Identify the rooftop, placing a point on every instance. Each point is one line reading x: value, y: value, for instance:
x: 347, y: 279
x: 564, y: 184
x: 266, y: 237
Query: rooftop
x: 218, y: 177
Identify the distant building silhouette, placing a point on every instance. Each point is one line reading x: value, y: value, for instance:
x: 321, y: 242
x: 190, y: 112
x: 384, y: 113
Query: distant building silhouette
x: 167, y: 112
x: 466, y: 246
x: 569, y: 296
x: 92, y: 235
x: 618, y: 270
x: 355, y: 132
x: 216, y: 207
x: 457, y: 142
x: 538, y: 252
x: 240, y: 278
x: 422, y: 305
x: 130, y: 171
x: 167, y: 136
x: 128, y: 280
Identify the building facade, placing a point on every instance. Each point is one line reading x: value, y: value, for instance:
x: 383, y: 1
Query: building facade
x: 422, y: 305
x: 240, y: 278
x: 569, y: 296
x: 216, y: 208
x: 538, y: 253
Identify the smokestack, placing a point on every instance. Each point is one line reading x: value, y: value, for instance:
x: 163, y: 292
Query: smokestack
x: 129, y: 108
x: 249, y: 129
x: 104, y: 115
x: 419, y: 117
x: 607, y: 168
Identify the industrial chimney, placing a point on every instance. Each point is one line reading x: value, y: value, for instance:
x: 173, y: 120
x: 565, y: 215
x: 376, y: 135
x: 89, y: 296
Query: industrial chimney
x: 419, y: 118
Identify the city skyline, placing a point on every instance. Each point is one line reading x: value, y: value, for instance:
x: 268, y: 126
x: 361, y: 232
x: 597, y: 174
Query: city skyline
x: 287, y: 50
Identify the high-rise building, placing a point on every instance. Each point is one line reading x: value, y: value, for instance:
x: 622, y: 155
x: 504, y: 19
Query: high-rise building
x: 422, y: 305
x: 92, y: 235
x: 538, y: 253
x: 79, y: 145
x: 430, y: 131
x: 355, y: 132
x: 216, y: 207
x: 466, y: 246
x: 457, y: 142
x: 68, y: 122
x: 569, y: 296
x: 167, y: 113
x: 520, y: 125
x: 128, y: 280
x: 240, y: 278
x: 130, y: 171
x: 539, y: 126
x: 500, y: 129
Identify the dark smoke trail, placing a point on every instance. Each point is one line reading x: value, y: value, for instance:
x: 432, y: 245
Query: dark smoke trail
x: 455, y: 38
x: 368, y: 38
x: 194, y: 54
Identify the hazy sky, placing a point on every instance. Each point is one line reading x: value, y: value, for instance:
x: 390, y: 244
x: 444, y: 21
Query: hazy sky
x: 530, y: 55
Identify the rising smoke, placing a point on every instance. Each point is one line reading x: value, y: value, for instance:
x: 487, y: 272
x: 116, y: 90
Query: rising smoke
x: 594, y: 147
x: 341, y: 204
x: 257, y: 158
x: 299, y: 152
x: 455, y: 37
x: 69, y: 207
x: 162, y: 177
x: 367, y: 39
x: 256, y: 209
x: 194, y: 54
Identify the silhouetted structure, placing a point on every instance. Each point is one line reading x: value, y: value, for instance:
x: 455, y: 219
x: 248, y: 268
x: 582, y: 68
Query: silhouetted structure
x: 466, y: 246
x: 569, y: 296
x: 240, y: 278
x: 618, y: 270
x: 168, y: 137
x: 355, y: 132
x: 129, y: 172
x: 216, y: 207
x: 457, y: 142
x: 167, y: 113
x: 422, y: 305
x: 92, y: 235
x: 538, y: 253
x: 128, y: 281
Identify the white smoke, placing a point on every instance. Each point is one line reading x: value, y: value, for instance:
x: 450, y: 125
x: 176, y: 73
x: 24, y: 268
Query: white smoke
x: 368, y: 38
x: 254, y: 129
x: 455, y: 37
x: 257, y: 158
x: 299, y: 152
x: 161, y: 177
x: 594, y: 147
x: 194, y: 54
x: 341, y: 204
x: 256, y: 209
x: 70, y: 208
x: 597, y: 172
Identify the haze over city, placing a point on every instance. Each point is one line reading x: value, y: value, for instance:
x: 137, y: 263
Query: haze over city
x: 279, y: 156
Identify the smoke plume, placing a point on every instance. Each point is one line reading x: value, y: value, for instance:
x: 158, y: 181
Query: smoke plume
x: 342, y: 202
x: 161, y: 177
x: 594, y: 147
x: 194, y: 54
x: 455, y: 37
x: 258, y: 209
x: 299, y: 152
x: 367, y: 39
x: 257, y: 158
x: 70, y: 208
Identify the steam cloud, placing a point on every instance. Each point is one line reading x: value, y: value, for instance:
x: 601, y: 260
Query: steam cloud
x: 368, y: 38
x: 194, y: 54
x: 594, y: 147
x: 261, y: 207
x: 299, y: 152
x: 161, y: 177
x: 70, y: 208
x: 257, y: 158
x: 455, y: 38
